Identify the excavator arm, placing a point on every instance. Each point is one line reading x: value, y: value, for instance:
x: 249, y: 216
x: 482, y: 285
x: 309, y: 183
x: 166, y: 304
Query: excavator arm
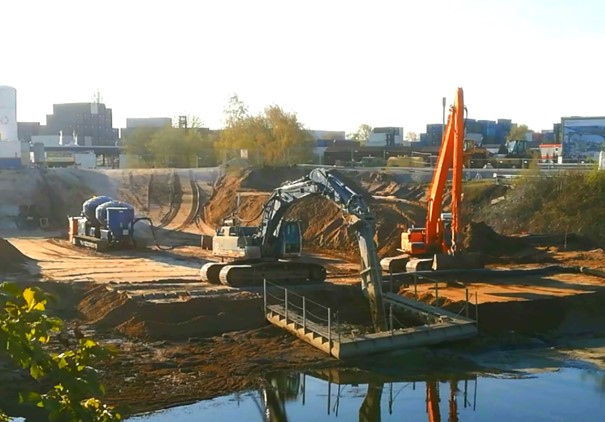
x: 451, y: 155
x: 431, y: 239
x: 358, y: 216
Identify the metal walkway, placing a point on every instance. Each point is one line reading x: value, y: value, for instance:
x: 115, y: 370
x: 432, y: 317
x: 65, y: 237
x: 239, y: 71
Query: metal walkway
x: 320, y: 327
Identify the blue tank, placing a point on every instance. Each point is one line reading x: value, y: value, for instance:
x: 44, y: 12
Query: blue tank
x: 101, y: 211
x: 89, y: 208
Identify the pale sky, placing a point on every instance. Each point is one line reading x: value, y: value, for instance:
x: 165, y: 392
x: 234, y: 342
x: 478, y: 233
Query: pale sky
x: 337, y: 64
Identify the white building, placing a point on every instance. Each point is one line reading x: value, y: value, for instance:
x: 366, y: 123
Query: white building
x: 10, y: 147
x: 386, y: 137
x: 8, y: 113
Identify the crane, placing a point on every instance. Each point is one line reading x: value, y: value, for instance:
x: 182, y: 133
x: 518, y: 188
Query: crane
x: 272, y: 250
x: 441, y: 233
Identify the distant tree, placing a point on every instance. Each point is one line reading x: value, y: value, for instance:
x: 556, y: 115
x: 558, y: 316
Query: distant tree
x: 181, y: 148
x: 172, y: 146
x: 517, y: 132
x: 273, y: 137
x: 137, y: 143
x: 411, y: 136
x: 362, y: 135
x: 235, y: 112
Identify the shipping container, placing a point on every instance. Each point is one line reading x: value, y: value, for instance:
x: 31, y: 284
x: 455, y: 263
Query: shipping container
x: 10, y: 163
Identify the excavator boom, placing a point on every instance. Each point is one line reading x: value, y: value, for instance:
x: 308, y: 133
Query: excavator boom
x: 451, y: 155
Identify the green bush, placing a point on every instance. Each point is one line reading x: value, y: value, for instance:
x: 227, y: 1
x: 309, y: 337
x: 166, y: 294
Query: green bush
x: 567, y: 202
x: 25, y: 339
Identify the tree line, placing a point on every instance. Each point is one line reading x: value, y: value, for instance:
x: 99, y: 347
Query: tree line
x: 272, y: 137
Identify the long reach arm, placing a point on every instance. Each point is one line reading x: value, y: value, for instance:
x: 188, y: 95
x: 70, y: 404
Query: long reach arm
x: 451, y: 155
x: 328, y: 184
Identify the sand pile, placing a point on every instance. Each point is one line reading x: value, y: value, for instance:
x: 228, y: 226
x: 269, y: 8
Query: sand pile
x: 11, y: 258
x: 479, y: 237
x: 324, y: 226
x: 260, y: 181
x: 198, y: 317
x: 265, y: 179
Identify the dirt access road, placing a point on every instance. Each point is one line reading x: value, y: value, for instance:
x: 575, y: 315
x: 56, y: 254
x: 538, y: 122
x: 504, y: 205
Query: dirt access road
x: 57, y: 260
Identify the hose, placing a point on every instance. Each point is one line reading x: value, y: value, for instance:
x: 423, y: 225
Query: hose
x: 155, y: 240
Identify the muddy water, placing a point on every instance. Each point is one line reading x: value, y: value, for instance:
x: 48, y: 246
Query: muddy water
x: 562, y: 395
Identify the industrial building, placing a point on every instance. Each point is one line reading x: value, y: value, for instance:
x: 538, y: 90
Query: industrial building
x: 89, y: 123
x: 385, y: 137
x: 492, y: 131
x: 11, y: 150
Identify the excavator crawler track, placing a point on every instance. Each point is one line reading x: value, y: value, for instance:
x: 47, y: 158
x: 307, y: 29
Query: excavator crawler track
x: 210, y: 272
x: 395, y: 264
x: 282, y: 273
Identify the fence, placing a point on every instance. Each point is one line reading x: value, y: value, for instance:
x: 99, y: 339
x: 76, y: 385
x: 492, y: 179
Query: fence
x: 465, y: 307
x: 305, y: 313
x: 314, y: 317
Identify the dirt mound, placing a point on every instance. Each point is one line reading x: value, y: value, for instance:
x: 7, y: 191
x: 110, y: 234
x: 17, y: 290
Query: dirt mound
x: 268, y: 178
x: 326, y: 230
x: 384, y: 184
x: 202, y: 317
x: 324, y: 226
x: 223, y: 201
x: 479, y: 237
x: 11, y: 258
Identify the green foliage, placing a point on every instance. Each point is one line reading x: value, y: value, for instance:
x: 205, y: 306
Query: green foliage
x: 273, y: 137
x: 25, y: 333
x: 181, y: 148
x: 137, y: 144
x: 171, y: 147
x: 362, y: 135
x: 236, y: 111
x: 517, y: 132
x: 567, y: 202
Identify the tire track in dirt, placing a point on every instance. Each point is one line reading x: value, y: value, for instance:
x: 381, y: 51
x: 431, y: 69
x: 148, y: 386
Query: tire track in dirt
x: 175, y: 200
x: 190, y: 197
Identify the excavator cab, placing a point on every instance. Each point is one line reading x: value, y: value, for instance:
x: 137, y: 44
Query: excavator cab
x: 291, y: 235
x: 412, y: 241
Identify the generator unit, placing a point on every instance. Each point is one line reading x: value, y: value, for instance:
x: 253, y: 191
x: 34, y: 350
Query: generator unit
x: 104, y: 223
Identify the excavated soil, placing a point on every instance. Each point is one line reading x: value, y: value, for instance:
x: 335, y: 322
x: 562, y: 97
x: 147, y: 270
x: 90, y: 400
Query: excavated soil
x: 479, y: 237
x: 324, y: 226
x: 11, y: 258
x: 174, y: 320
x: 207, y: 316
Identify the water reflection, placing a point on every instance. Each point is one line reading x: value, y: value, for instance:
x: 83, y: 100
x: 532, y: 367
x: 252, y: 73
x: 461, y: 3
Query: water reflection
x: 281, y: 388
x: 284, y: 387
x: 356, y: 395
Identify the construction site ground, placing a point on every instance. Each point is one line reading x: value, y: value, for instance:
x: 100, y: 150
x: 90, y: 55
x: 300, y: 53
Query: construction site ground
x: 178, y: 340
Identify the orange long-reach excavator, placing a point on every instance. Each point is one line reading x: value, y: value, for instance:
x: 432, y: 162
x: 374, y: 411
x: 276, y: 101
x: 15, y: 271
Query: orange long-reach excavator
x: 437, y: 244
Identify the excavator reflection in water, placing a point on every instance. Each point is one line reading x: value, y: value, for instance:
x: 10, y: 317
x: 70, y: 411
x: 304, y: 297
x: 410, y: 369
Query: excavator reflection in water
x: 283, y: 388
